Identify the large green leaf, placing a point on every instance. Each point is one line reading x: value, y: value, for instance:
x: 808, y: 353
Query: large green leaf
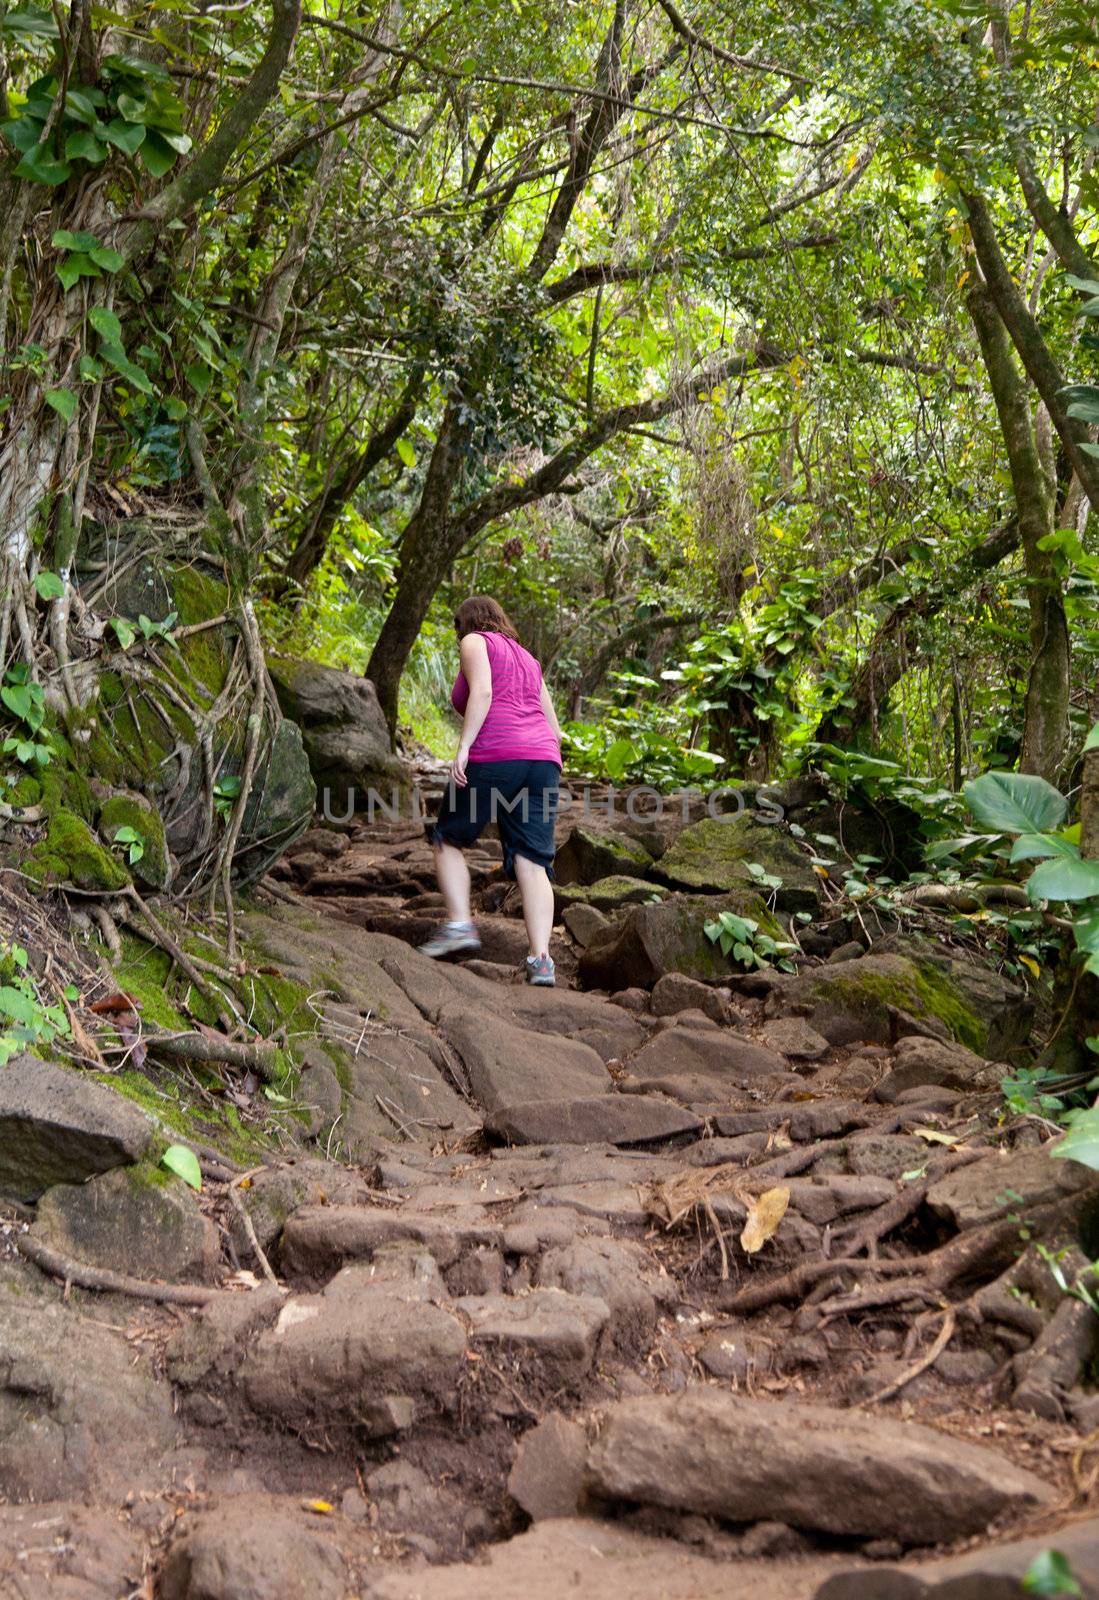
x: 1081, y: 1142
x: 182, y: 1161
x: 106, y: 324
x: 1037, y: 846
x: 63, y: 402
x: 34, y: 23
x: 1064, y: 880
x: 41, y: 166
x: 1015, y: 802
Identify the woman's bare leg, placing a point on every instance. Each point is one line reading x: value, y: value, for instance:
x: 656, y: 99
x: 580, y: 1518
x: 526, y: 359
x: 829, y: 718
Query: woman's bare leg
x: 453, y: 876
x: 537, y: 893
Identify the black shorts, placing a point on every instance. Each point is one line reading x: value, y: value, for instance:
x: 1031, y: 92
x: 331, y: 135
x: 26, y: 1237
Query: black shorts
x: 519, y: 796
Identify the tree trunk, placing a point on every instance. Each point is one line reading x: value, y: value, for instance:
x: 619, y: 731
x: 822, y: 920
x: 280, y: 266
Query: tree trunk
x: 1045, y: 725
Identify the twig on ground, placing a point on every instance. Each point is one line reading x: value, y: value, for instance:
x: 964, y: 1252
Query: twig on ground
x: 928, y: 1359
x: 249, y: 1228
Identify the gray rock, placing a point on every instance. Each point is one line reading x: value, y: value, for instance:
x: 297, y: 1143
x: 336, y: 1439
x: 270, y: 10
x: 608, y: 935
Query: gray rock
x: 615, y: 1271
x: 141, y: 1221
x: 252, y: 1547
x: 673, y: 992
x: 920, y: 1063
x: 508, y: 1065
x: 67, y: 1552
x: 729, y: 1353
x: 715, y: 1054
x: 584, y: 922
x: 558, y: 1330
x: 1004, y: 1182
x: 318, y: 1240
x: 811, y: 1466
x: 362, y: 1357
x: 883, y: 1155
x: 344, y: 731
x: 419, y: 1102
x: 603, y: 1119
x: 60, y: 1126
x: 78, y: 1416
x: 547, y: 1479
x: 793, y: 1037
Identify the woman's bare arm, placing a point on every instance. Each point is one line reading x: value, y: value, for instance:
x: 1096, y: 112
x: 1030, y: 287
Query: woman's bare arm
x: 474, y: 658
x: 547, y: 707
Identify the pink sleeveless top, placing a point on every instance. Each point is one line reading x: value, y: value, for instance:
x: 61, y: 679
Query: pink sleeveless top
x: 516, y: 728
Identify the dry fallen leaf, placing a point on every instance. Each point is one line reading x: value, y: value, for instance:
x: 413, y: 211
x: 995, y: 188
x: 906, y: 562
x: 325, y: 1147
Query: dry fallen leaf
x: 933, y: 1136
x: 322, y: 1507
x: 765, y: 1212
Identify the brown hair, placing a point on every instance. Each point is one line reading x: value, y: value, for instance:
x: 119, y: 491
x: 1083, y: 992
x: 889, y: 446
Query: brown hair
x: 481, y: 614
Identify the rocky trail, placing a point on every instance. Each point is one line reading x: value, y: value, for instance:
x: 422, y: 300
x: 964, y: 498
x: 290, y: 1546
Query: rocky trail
x: 675, y: 1280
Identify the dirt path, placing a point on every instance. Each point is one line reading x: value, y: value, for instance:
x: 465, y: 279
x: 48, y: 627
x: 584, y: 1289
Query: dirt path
x: 673, y: 1304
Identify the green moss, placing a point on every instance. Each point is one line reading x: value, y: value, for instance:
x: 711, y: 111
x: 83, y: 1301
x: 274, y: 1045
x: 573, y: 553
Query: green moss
x: 25, y: 791
x: 149, y: 1175
x: 919, y: 988
x: 167, y: 1102
x: 126, y: 811
x: 70, y: 853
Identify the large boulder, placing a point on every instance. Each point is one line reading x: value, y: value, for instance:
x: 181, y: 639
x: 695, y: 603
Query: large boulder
x: 346, y: 739
x: 60, y: 1126
x: 811, y: 1466
x: 903, y: 987
x: 650, y: 940
x: 589, y: 854
x: 142, y: 1221
x: 719, y: 853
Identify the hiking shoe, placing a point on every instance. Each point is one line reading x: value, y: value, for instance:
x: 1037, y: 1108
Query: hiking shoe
x: 540, y: 972
x: 452, y: 939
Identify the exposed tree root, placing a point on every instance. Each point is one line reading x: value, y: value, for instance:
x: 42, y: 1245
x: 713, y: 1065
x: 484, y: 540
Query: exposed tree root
x: 928, y: 1359
x: 69, y: 1271
x: 246, y: 1222
x: 256, y: 1058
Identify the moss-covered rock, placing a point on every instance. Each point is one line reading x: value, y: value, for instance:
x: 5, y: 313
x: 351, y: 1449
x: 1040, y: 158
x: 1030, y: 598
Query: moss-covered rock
x: 887, y: 995
x: 608, y: 893
x: 650, y: 940
x: 140, y: 1220
x: 588, y: 855
x: 71, y: 853
x: 718, y: 854
x: 130, y: 811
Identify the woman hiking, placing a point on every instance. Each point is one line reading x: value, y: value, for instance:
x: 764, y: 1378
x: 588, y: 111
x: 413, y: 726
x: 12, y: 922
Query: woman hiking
x: 506, y: 771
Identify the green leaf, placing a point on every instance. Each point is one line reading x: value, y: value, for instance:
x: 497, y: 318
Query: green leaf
x: 77, y: 266
x: 199, y: 376
x: 63, y: 239
x: 82, y: 145
x: 1092, y: 740
x: 125, y: 632
x: 158, y: 157
x: 1050, y: 1573
x: 106, y: 324
x: 41, y: 166
x: 18, y: 699
x: 49, y: 586
x: 619, y: 756
x: 79, y: 106
x: 1035, y: 846
x: 116, y: 357
x: 90, y: 369
x: 34, y: 23
x: 179, y: 142
x: 406, y: 452
x: 1064, y: 880
x: 19, y: 1006
x: 125, y: 136
x: 109, y: 260
x: 63, y: 402
x: 184, y: 1163
x: 1015, y: 802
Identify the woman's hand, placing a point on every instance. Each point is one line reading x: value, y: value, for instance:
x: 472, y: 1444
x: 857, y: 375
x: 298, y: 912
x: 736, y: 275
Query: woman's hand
x: 458, y: 767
